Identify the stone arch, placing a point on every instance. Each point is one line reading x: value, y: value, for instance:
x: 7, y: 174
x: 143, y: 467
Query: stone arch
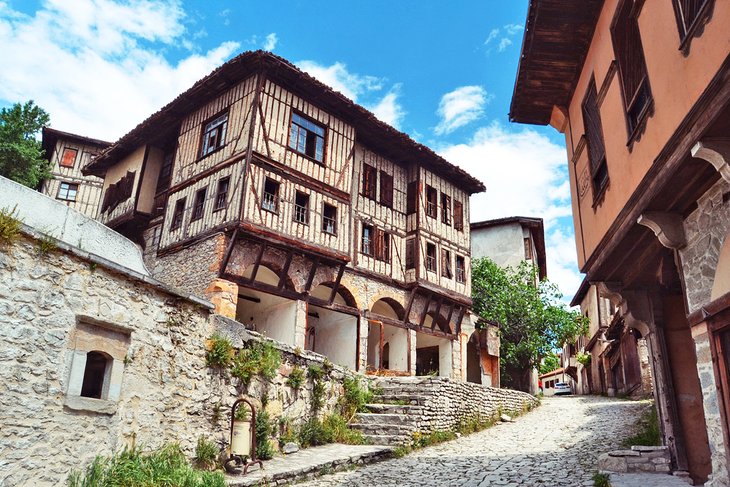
x: 392, y: 298
x: 267, y: 274
x: 343, y: 296
x: 388, y: 307
x: 721, y: 283
x: 96, y: 374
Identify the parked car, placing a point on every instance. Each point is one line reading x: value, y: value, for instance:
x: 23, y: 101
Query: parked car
x: 562, y: 388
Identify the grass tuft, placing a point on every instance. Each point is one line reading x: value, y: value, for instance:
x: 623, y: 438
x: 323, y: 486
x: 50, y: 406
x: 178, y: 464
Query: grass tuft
x: 220, y: 351
x: 601, y: 480
x: 9, y: 227
x: 649, y: 433
x: 206, y: 454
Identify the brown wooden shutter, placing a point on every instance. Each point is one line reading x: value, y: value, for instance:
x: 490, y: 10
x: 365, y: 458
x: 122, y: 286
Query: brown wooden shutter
x: 592, y: 127
x: 412, y: 196
x: 411, y: 253
x: 386, y: 189
x: 458, y: 215
x: 687, y: 12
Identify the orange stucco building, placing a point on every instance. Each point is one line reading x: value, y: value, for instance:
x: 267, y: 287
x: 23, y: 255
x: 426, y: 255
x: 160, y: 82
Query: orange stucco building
x: 641, y: 90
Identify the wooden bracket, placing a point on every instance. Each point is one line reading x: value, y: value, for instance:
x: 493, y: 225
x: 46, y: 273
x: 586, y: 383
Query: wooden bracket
x: 716, y: 151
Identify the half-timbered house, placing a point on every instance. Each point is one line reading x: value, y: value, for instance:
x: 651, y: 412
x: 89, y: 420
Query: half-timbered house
x: 301, y: 215
x: 68, y: 154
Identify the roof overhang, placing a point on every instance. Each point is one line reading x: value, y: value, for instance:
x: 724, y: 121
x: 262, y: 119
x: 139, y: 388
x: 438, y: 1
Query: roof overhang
x: 557, y: 36
x: 51, y: 136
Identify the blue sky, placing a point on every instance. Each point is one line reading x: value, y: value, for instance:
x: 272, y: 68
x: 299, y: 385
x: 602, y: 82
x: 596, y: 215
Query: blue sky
x: 443, y: 72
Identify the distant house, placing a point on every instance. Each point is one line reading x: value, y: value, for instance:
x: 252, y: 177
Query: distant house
x: 553, y: 377
x: 68, y: 154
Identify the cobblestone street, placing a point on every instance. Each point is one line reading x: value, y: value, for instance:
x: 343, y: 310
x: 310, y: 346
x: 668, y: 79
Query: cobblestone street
x: 556, y: 445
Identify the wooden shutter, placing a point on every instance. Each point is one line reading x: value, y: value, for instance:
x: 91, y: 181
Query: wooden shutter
x: 411, y: 253
x: 386, y: 189
x: 377, y: 243
x: 687, y: 13
x: 592, y: 127
x: 412, y: 196
x: 458, y: 215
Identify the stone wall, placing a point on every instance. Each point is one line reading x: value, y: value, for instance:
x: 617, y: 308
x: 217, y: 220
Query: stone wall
x: 646, y: 459
x: 706, y: 228
x: 446, y: 403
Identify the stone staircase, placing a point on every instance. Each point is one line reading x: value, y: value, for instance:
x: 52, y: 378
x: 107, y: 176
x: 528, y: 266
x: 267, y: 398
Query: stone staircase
x: 395, y: 412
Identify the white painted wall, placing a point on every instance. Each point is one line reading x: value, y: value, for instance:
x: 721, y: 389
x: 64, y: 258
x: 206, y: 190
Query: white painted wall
x: 503, y: 244
x: 445, y: 351
x: 275, y: 317
x: 335, y: 336
x: 398, y: 340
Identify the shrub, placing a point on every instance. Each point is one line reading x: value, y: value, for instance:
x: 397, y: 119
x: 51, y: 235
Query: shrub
x: 9, y: 227
x: 264, y: 448
x: 354, y: 398
x: 206, y: 454
x: 311, y: 433
x: 257, y: 359
x: 601, y: 480
x: 165, y: 467
x: 316, y: 375
x: 583, y: 358
x: 219, y: 354
x: 335, y: 427
x: 296, y: 378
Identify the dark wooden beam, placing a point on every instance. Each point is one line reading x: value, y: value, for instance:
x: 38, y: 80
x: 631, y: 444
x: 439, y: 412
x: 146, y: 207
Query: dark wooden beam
x: 340, y: 308
x: 458, y: 321
x: 229, y: 250
x: 312, y: 272
x: 285, y: 270
x: 407, y: 314
x: 436, y: 313
x: 425, y: 311
x: 451, y: 312
x: 337, y: 284
x: 258, y: 262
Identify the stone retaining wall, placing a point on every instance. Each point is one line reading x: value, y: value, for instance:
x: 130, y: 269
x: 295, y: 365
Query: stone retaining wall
x: 652, y: 459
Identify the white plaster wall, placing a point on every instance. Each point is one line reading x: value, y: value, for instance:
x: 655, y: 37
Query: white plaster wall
x: 446, y: 359
x: 503, y: 244
x: 398, y: 339
x: 335, y: 336
x: 274, y: 317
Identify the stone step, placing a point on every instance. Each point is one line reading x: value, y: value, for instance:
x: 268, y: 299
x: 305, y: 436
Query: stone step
x: 393, y: 409
x: 383, y: 429
x: 402, y: 399
x: 389, y: 388
x: 388, y: 440
x: 385, y: 418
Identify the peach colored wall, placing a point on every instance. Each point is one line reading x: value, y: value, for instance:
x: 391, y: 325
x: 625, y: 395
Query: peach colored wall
x: 670, y: 73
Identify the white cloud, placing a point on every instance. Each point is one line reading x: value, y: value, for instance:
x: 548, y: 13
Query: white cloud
x: 460, y: 107
x: 504, y: 42
x: 512, y: 29
x: 270, y: 42
x: 493, y: 34
x: 106, y: 74
x: 363, y: 89
x: 526, y: 175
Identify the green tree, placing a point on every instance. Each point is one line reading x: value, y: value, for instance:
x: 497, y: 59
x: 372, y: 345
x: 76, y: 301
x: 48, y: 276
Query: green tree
x: 21, y: 155
x: 533, y: 319
x: 549, y: 363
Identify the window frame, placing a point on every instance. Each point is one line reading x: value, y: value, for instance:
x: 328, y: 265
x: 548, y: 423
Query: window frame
x: 446, y: 216
x: 411, y: 250
x: 386, y: 189
x: 199, y: 204
x: 432, y: 206
x: 296, y: 150
x: 527, y: 242
x: 332, y: 219
x: 367, y: 240
x: 221, y: 196
x: 178, y: 214
x: 431, y: 262
x: 382, y: 245
x: 459, y: 215
x: 460, y: 270
x: 412, y: 198
x: 223, y: 132
x: 270, y: 198
x: 446, y: 264
x: 301, y: 209
x: 69, y: 188
x: 61, y: 162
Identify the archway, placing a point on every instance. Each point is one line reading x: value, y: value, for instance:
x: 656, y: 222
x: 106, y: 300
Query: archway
x: 331, y: 333
x: 387, y: 344
x: 266, y: 313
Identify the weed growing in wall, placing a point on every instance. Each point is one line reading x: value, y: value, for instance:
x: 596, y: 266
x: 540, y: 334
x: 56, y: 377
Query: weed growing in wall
x: 601, y: 480
x: 317, y: 376
x: 45, y: 245
x: 264, y: 448
x: 331, y: 429
x: 260, y: 358
x: 206, y: 454
x: 296, y: 378
x: 219, y: 352
x: 9, y: 227
x: 354, y: 398
x: 649, y: 433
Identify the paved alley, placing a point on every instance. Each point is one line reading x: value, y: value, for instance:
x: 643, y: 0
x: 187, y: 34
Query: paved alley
x: 555, y: 445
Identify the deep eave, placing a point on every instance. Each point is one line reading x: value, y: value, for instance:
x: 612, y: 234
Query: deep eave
x: 581, y: 293
x: 50, y: 137
x: 557, y: 36
x: 370, y: 131
x: 534, y: 224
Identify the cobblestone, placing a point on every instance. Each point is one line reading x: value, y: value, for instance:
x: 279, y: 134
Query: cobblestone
x: 556, y: 444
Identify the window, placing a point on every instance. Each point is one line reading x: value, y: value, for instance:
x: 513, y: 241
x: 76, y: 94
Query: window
x: 386, y: 189
x: 163, y: 181
x: 214, y: 135
x: 431, y: 202
x: 69, y: 157
x: 307, y: 137
x: 301, y: 208
x: 528, y: 249
x: 199, y: 207
x: 270, y: 200
x: 411, y: 253
x: 632, y: 67
x: 689, y: 15
x: 156, y: 236
x: 97, y: 364
x: 431, y: 257
x: 458, y: 216
x: 67, y: 191
x: 446, y: 264
x: 329, y: 219
x: 222, y: 194
x: 460, y: 269
x: 382, y: 245
x: 445, y: 209
x: 118, y: 192
x: 369, y: 182
x: 177, y: 215
x: 594, y: 137
x: 367, y: 240
x: 412, y: 197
